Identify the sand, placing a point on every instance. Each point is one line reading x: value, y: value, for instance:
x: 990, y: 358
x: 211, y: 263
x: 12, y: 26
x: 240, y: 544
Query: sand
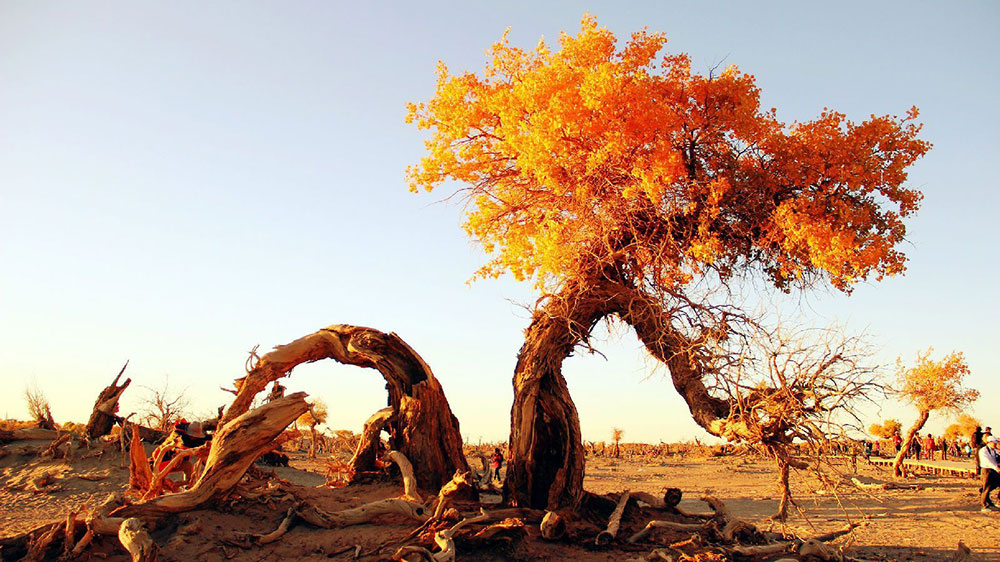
x: 906, y: 525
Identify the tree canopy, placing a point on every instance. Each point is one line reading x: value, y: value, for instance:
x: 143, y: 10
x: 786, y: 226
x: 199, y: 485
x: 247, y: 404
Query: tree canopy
x: 591, y: 155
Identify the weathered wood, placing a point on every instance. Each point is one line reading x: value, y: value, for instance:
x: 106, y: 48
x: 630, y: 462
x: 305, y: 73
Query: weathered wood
x: 672, y: 525
x: 102, y: 417
x: 406, y: 469
x: 423, y: 428
x: 28, y: 434
x: 137, y: 542
x: 553, y: 526
x: 362, y: 514
x: 458, y: 483
x: 606, y: 536
x: 234, y: 448
x: 368, y: 446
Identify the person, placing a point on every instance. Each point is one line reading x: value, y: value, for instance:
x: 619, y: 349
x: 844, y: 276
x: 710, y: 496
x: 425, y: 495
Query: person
x: 989, y: 462
x: 976, y: 443
x: 929, y: 447
x: 496, y: 461
x: 897, y: 442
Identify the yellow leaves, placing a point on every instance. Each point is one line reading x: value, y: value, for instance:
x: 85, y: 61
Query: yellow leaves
x: 936, y: 384
x: 589, y: 154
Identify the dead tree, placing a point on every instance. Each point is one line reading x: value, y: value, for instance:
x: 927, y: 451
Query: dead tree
x: 102, y: 417
x: 422, y: 428
x: 234, y: 448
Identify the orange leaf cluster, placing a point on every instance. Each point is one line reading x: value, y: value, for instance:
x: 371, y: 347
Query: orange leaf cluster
x: 591, y: 155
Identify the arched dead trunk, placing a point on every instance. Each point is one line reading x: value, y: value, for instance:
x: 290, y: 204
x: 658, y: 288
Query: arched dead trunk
x: 423, y: 428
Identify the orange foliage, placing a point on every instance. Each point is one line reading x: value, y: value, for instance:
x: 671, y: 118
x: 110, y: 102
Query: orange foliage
x: 890, y: 428
x: 590, y: 155
x: 936, y: 385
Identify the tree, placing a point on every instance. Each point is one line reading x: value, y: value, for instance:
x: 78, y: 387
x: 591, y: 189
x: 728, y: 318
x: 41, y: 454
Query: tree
x: 963, y: 428
x: 799, y: 387
x: 316, y: 415
x: 616, y: 435
x: 162, y: 407
x: 886, y: 430
x: 38, y: 408
x: 626, y: 186
x: 419, y: 420
x: 931, y: 386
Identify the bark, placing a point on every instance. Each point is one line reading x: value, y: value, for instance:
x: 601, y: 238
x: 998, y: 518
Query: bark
x: 545, y: 469
x: 423, y: 428
x: 546, y: 464
x: 606, y: 536
x: 897, y: 464
x: 234, y: 448
x: 102, y: 417
x: 28, y: 434
x: 368, y: 446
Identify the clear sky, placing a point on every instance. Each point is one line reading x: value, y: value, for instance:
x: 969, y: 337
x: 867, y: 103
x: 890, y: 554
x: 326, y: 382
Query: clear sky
x: 182, y: 181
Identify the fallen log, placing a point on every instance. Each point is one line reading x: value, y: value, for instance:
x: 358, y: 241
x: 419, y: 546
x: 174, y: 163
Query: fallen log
x: 363, y: 514
x: 28, y: 434
x: 234, y: 448
x: 606, y: 536
x: 674, y: 526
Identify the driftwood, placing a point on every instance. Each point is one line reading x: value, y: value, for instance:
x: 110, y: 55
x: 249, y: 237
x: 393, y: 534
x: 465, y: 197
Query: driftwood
x: 553, y: 526
x: 674, y: 526
x: 234, y: 448
x: 406, y: 469
x: 363, y: 514
x: 669, y: 500
x: 137, y: 541
x: 606, y: 536
x: 102, y: 417
x: 423, y: 427
x: 458, y: 484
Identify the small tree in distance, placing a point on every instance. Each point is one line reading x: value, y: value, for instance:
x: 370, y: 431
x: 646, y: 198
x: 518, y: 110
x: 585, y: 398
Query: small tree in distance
x: 617, y: 434
x: 887, y: 429
x: 38, y: 408
x: 932, y: 386
x: 963, y: 428
x: 316, y: 415
x: 161, y: 407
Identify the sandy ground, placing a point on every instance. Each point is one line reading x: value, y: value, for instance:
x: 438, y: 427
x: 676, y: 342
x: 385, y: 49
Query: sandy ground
x: 906, y: 525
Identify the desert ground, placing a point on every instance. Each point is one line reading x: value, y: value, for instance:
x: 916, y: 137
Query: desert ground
x: 920, y: 523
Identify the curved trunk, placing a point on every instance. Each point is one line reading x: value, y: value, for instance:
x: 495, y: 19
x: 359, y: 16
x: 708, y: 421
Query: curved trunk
x: 423, y: 429
x: 545, y: 469
x: 897, y: 464
x: 546, y: 465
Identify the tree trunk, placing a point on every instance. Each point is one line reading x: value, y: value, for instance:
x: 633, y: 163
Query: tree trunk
x: 423, y: 429
x: 102, y: 418
x: 546, y: 464
x: 897, y: 464
x: 368, y: 446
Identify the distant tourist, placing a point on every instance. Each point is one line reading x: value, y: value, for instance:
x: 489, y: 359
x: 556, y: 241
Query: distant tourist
x: 496, y: 461
x: 989, y: 462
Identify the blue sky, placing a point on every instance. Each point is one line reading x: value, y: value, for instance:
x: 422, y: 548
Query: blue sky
x: 180, y: 182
